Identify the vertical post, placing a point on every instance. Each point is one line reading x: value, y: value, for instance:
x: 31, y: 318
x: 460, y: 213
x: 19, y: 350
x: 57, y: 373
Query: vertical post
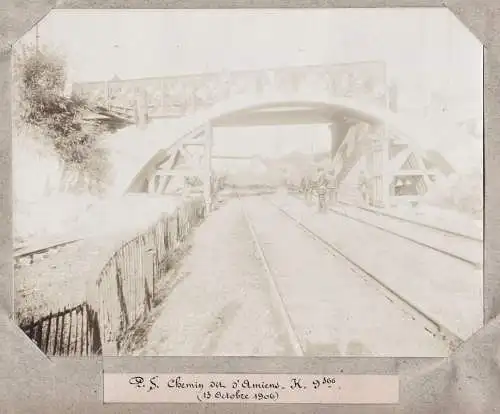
x: 386, y: 176
x: 141, y: 107
x: 207, y: 173
x: 380, y: 159
x: 333, y: 140
x: 152, y: 184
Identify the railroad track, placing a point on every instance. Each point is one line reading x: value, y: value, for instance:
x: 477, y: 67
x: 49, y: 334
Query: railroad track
x: 427, y: 322
x: 469, y: 243
x: 41, y: 247
x: 274, y: 289
x: 419, y: 223
x: 432, y: 233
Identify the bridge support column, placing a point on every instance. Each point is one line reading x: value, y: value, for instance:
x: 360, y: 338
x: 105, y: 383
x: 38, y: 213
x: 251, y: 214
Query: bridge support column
x: 378, y: 162
x: 207, y: 170
x: 151, y: 184
x: 338, y: 132
x: 141, y: 109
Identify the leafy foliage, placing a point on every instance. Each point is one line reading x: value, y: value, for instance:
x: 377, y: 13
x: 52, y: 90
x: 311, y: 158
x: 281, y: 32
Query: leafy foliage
x: 461, y: 193
x: 42, y: 105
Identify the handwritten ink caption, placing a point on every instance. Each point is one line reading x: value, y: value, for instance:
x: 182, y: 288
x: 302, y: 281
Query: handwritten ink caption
x: 251, y: 388
x: 239, y: 389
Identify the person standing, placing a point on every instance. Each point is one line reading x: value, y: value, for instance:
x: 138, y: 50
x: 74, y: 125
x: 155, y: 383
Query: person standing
x: 302, y: 187
x: 308, y: 188
x: 322, y: 198
x: 321, y: 189
x: 332, y: 189
x: 363, y: 187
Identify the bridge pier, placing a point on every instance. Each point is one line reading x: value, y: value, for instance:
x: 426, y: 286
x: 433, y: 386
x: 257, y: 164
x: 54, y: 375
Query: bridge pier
x: 141, y: 109
x: 152, y: 184
x: 338, y: 132
x: 378, y: 160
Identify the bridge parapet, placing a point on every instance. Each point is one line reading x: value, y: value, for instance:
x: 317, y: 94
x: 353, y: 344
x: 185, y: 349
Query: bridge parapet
x: 177, y: 96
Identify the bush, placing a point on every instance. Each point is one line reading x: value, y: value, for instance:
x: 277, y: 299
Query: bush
x: 461, y: 193
x: 41, y: 79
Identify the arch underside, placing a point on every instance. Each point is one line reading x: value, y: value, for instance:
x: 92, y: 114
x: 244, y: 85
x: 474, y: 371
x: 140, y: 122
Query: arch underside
x: 344, y: 113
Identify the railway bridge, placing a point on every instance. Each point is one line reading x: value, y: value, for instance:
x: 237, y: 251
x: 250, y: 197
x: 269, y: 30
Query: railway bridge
x: 386, y: 148
x: 352, y: 99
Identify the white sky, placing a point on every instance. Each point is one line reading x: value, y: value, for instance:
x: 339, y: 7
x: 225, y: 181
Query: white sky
x: 423, y: 47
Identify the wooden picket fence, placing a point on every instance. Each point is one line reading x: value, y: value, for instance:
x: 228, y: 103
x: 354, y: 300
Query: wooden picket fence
x: 69, y: 332
x: 127, y: 285
x: 124, y: 293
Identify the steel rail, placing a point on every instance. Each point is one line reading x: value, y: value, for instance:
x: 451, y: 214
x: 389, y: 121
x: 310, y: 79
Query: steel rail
x: 437, y: 329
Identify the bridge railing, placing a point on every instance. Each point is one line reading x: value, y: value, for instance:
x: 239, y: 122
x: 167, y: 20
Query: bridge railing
x: 128, y: 284
x: 179, y: 96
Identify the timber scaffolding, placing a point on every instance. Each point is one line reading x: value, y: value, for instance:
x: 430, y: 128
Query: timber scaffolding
x: 121, y: 295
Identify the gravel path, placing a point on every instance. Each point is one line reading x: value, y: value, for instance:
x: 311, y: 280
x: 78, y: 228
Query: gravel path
x: 443, y: 287
x: 222, y: 306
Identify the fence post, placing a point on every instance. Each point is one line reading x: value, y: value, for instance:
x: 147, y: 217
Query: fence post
x: 47, y: 335
x: 32, y: 326
x: 123, y: 306
x: 61, y: 340
x: 97, y: 345
x: 76, y: 332
x: 87, y: 328
x: 54, y: 349
x: 69, y: 333
x: 137, y: 278
x: 39, y: 334
x: 156, y: 274
x: 81, y: 330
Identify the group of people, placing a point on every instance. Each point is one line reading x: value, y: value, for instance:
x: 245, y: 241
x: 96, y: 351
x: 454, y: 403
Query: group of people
x: 322, y: 184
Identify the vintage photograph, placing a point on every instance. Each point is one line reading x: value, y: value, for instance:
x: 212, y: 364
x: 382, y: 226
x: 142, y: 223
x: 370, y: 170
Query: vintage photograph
x: 248, y: 182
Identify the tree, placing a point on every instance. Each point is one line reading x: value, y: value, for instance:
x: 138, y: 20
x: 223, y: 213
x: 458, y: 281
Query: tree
x: 40, y: 78
x: 461, y: 193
